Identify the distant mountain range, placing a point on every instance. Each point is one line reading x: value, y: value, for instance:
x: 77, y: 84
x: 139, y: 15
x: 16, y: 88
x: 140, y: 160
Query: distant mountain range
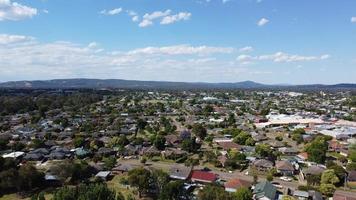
x: 134, y: 84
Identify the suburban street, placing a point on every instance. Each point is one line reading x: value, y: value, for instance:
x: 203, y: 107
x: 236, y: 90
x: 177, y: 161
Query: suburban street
x: 224, y: 175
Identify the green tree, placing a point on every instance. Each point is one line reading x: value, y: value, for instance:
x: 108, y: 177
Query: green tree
x: 109, y: 162
x: 160, y: 179
x: 263, y: 150
x: 339, y: 171
x: 87, y: 192
x: 243, y: 193
x: 159, y: 142
x: 317, y: 150
x: 141, y: 179
x: 78, y: 141
x: 29, y: 177
x: 327, y: 189
x: 242, y: 137
x: 352, y: 155
x: 214, y: 192
x: 329, y: 177
x: 313, y: 179
x: 174, y: 190
x: 231, y: 119
x: 199, y: 131
x: 351, y: 166
x: 190, y: 145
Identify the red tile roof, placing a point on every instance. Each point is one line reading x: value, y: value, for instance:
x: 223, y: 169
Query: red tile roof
x: 236, y: 183
x: 203, y: 176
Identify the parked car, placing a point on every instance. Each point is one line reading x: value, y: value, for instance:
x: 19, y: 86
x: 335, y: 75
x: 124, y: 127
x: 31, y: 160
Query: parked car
x: 277, y: 185
x: 284, y: 178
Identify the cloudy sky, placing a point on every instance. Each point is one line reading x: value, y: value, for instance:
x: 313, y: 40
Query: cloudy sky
x: 268, y: 41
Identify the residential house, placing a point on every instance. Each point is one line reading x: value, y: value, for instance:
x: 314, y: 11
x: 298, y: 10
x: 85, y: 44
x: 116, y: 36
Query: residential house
x: 173, y: 153
x: 172, y: 140
x: 105, y: 151
x: 122, y: 168
x: 14, y: 155
x: 180, y: 172
x: 150, y: 151
x: 313, y: 170
x: 287, y: 151
x: 229, y: 145
x: 335, y: 146
x: 315, y: 195
x: 301, y: 195
x: 285, y: 168
x: 302, y: 157
x: 264, y: 191
x: 262, y: 164
x: 233, y: 184
x: 203, y: 177
x: 104, y: 175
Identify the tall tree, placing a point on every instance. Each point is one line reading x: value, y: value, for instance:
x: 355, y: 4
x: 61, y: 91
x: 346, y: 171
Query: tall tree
x: 243, y: 193
x: 317, y: 150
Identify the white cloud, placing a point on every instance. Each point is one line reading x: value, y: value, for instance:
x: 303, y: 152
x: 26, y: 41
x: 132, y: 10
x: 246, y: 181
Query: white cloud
x: 246, y: 49
x: 181, y: 50
x: 36, y: 60
x: 114, y: 11
x: 45, y: 11
x: 156, y: 14
x: 165, y: 18
x: 353, y: 19
x: 14, y: 11
x: 175, y: 18
x: 324, y: 57
x: 6, y: 39
x: 225, y: 1
x: 134, y: 16
x: 262, y: 22
x: 145, y: 23
x: 280, y: 57
x: 93, y: 45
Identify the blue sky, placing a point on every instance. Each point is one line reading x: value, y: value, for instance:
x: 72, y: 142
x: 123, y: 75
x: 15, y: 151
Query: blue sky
x: 268, y: 41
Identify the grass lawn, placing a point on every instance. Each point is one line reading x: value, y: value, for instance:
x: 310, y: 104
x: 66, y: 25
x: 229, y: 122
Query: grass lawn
x: 118, y: 187
x: 334, y: 154
x: 17, y: 197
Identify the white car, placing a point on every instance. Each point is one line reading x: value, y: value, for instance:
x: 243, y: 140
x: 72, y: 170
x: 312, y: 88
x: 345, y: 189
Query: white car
x: 284, y: 178
x: 277, y: 185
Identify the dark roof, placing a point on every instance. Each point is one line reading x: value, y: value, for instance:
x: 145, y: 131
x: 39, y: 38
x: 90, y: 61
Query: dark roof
x: 284, y: 165
x: 315, y: 195
x: 180, y: 172
x: 263, y: 163
x: 314, y: 170
x: 124, y: 167
x: 33, y: 156
x: 229, y: 145
x: 42, y: 151
x: 265, y: 189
